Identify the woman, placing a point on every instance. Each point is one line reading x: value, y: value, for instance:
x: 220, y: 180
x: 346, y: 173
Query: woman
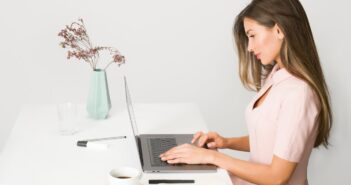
x: 291, y: 113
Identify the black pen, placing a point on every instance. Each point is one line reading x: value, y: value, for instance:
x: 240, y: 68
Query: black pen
x: 169, y: 181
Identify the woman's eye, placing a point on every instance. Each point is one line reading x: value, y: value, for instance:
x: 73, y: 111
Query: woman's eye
x: 252, y: 36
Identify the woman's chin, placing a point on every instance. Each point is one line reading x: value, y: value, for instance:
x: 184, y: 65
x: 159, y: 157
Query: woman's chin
x: 264, y: 62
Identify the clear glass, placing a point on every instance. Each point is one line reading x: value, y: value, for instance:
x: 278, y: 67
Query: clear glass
x: 67, y: 118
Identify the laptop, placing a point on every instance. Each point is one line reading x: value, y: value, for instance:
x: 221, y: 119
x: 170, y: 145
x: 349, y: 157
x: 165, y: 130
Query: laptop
x: 150, y: 146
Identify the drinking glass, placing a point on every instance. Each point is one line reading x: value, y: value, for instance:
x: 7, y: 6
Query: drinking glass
x: 67, y: 117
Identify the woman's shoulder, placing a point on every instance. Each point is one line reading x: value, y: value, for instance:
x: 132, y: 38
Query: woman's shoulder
x: 288, y: 86
x: 297, y: 90
x: 295, y: 84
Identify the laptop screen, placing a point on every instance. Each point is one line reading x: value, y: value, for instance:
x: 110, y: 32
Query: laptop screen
x: 132, y: 120
x: 130, y: 109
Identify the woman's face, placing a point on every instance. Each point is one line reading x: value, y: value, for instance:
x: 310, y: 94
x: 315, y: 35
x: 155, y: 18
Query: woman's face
x: 265, y: 43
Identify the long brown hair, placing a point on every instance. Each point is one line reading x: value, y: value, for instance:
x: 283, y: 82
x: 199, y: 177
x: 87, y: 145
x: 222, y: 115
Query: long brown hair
x: 298, y: 53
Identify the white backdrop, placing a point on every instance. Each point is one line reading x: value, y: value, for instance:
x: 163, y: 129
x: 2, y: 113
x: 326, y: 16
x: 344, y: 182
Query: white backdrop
x: 176, y: 51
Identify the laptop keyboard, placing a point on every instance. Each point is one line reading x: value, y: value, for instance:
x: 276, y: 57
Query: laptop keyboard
x: 158, y: 146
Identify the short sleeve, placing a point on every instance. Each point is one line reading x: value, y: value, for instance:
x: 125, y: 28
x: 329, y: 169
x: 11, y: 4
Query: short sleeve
x: 296, y: 123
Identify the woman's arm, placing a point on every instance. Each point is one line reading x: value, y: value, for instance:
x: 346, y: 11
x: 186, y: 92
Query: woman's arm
x: 238, y: 143
x: 276, y: 173
x: 213, y: 141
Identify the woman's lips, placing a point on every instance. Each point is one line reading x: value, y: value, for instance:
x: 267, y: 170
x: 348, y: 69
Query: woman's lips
x: 258, y: 56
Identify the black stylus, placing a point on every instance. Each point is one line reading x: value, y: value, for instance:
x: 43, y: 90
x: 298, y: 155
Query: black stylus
x: 158, y: 181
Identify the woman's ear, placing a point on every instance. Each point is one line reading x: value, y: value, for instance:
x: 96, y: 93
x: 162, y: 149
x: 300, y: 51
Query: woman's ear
x: 280, y: 35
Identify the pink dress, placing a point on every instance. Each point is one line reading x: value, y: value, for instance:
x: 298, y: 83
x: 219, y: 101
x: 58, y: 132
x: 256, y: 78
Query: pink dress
x: 284, y: 125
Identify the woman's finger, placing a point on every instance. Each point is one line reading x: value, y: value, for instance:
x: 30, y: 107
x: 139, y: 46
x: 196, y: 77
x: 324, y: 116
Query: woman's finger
x: 175, y: 161
x: 176, y: 149
x: 196, y: 136
x: 211, y: 145
x: 172, y: 150
x: 212, y: 135
x: 202, y: 140
x: 171, y: 156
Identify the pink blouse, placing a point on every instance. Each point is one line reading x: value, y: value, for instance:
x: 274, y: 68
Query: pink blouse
x: 284, y: 124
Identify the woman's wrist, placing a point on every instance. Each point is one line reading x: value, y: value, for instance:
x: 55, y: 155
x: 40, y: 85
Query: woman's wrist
x: 225, y: 142
x: 212, y: 157
x: 238, y: 143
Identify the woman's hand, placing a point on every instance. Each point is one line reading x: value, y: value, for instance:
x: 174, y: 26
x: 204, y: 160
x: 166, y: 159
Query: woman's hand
x: 212, y: 140
x: 188, y: 154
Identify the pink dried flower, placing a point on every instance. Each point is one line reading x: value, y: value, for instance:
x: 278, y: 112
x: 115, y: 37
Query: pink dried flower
x: 76, y: 38
x: 118, y: 59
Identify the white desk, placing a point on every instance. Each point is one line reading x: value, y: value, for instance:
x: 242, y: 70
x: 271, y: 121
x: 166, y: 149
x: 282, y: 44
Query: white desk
x: 35, y: 154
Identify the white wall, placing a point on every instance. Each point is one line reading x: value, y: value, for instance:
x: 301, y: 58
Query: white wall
x: 176, y: 51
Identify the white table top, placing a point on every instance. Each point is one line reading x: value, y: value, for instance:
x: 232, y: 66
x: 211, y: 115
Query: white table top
x: 35, y: 153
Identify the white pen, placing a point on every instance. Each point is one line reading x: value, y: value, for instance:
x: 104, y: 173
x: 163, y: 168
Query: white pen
x: 91, y: 143
x: 106, y: 138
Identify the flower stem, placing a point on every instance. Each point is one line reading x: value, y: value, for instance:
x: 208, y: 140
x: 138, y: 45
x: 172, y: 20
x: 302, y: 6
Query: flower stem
x: 108, y: 65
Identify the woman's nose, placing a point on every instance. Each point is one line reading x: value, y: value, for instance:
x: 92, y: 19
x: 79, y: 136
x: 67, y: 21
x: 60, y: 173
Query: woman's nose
x: 249, y: 47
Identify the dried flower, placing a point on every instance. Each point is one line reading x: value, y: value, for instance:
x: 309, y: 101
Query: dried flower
x: 76, y: 38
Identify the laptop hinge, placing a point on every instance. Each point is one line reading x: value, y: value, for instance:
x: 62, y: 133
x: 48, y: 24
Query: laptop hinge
x: 140, y: 150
